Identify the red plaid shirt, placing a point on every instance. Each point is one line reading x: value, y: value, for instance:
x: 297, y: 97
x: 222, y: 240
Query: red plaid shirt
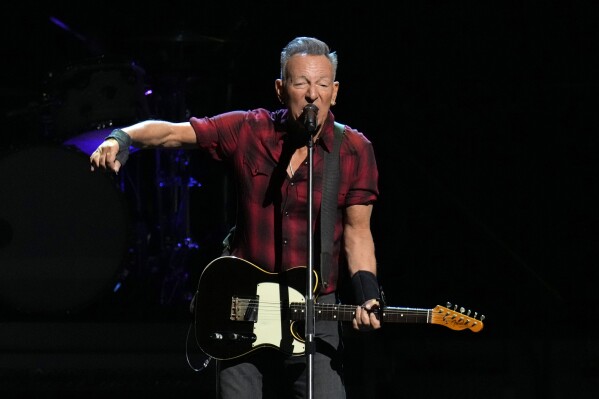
x: 272, y: 220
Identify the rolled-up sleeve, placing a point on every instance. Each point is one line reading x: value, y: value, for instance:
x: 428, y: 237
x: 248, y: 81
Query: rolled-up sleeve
x: 359, y: 170
x: 218, y: 135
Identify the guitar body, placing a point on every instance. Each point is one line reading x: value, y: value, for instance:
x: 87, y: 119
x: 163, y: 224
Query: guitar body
x: 240, y: 307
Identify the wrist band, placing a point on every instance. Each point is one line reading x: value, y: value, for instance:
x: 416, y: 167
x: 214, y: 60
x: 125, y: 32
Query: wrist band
x: 124, y: 141
x: 365, y: 286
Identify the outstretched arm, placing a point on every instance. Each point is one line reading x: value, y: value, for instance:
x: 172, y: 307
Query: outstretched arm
x: 147, y: 134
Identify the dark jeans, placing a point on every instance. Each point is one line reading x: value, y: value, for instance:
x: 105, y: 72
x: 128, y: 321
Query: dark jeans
x: 268, y: 373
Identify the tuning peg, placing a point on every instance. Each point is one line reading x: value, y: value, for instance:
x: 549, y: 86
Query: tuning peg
x: 462, y: 310
x: 448, y: 305
x: 455, y: 307
x: 482, y: 317
x: 475, y: 314
x: 468, y: 313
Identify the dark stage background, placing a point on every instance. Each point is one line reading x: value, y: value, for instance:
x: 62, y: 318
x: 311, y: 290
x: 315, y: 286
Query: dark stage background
x: 484, y: 120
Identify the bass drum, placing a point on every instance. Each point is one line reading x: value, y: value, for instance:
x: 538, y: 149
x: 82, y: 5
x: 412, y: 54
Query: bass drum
x: 97, y: 94
x: 64, y: 231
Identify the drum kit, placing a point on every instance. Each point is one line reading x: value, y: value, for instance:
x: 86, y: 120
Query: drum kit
x: 69, y: 237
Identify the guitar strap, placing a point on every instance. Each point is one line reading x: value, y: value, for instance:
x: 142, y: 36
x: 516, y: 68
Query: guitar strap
x: 328, y: 207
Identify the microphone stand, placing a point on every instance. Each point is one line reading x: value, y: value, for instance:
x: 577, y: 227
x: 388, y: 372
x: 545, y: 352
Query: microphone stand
x: 310, y: 317
x: 311, y: 124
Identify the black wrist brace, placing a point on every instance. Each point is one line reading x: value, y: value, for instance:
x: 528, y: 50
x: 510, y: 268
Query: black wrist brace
x: 365, y: 286
x: 124, y: 141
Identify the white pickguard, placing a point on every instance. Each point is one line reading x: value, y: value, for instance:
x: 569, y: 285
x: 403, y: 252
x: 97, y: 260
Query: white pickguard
x: 269, y: 324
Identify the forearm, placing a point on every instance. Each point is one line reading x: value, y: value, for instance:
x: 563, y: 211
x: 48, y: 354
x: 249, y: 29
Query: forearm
x: 156, y: 133
x: 359, y: 249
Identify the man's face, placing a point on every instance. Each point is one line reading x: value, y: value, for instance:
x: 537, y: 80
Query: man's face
x: 309, y: 80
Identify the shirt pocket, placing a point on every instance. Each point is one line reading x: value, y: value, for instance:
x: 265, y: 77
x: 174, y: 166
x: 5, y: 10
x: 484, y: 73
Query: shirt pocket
x: 256, y: 174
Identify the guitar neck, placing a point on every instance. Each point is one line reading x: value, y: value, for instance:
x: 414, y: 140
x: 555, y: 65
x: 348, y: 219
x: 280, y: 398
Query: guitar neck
x: 389, y: 314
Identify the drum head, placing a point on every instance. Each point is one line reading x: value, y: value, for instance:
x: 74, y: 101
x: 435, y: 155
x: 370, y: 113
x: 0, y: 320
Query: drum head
x: 97, y: 94
x: 64, y: 230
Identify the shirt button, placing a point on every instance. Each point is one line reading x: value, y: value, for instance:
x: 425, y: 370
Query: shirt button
x: 292, y: 183
x: 285, y: 242
x: 286, y: 213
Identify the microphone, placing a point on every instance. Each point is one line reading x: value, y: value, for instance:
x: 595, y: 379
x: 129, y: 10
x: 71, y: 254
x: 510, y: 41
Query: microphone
x: 309, y: 118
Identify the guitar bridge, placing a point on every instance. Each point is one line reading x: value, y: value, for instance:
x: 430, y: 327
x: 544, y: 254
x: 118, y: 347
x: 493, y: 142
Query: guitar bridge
x: 244, y: 309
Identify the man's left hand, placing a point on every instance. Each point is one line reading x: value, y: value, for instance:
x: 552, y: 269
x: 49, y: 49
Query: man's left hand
x: 367, y: 317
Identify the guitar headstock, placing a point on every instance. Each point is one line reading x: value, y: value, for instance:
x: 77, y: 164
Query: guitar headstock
x: 456, y: 320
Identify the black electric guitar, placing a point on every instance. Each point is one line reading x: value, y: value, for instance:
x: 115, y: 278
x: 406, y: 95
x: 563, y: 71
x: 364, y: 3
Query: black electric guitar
x: 240, y: 307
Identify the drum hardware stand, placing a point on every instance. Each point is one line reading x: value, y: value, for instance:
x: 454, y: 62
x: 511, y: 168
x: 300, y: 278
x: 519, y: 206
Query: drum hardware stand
x: 176, y: 243
x: 131, y: 177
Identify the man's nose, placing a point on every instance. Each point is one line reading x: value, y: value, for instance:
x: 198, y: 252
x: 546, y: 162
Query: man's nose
x: 312, y: 93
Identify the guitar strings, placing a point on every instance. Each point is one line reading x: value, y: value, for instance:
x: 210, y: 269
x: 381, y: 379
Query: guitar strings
x: 269, y: 310
x: 253, y: 302
x: 245, y: 304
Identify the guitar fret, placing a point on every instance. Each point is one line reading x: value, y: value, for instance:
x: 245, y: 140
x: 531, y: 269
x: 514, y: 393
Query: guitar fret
x: 327, y: 312
x: 406, y: 315
x: 323, y: 311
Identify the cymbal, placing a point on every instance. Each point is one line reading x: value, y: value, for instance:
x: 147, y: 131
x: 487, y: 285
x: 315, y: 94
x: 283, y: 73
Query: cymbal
x: 183, y: 38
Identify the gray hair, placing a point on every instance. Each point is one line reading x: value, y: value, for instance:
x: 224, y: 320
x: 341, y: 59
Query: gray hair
x: 308, y: 46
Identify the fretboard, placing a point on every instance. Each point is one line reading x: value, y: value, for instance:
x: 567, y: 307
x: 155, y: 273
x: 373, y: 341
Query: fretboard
x: 390, y: 314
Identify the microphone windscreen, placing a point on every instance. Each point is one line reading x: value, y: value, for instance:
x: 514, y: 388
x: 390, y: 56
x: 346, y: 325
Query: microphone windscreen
x: 309, y: 119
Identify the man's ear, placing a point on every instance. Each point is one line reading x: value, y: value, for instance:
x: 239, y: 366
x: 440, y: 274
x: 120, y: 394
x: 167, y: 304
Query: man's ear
x: 335, y: 92
x: 280, y: 91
